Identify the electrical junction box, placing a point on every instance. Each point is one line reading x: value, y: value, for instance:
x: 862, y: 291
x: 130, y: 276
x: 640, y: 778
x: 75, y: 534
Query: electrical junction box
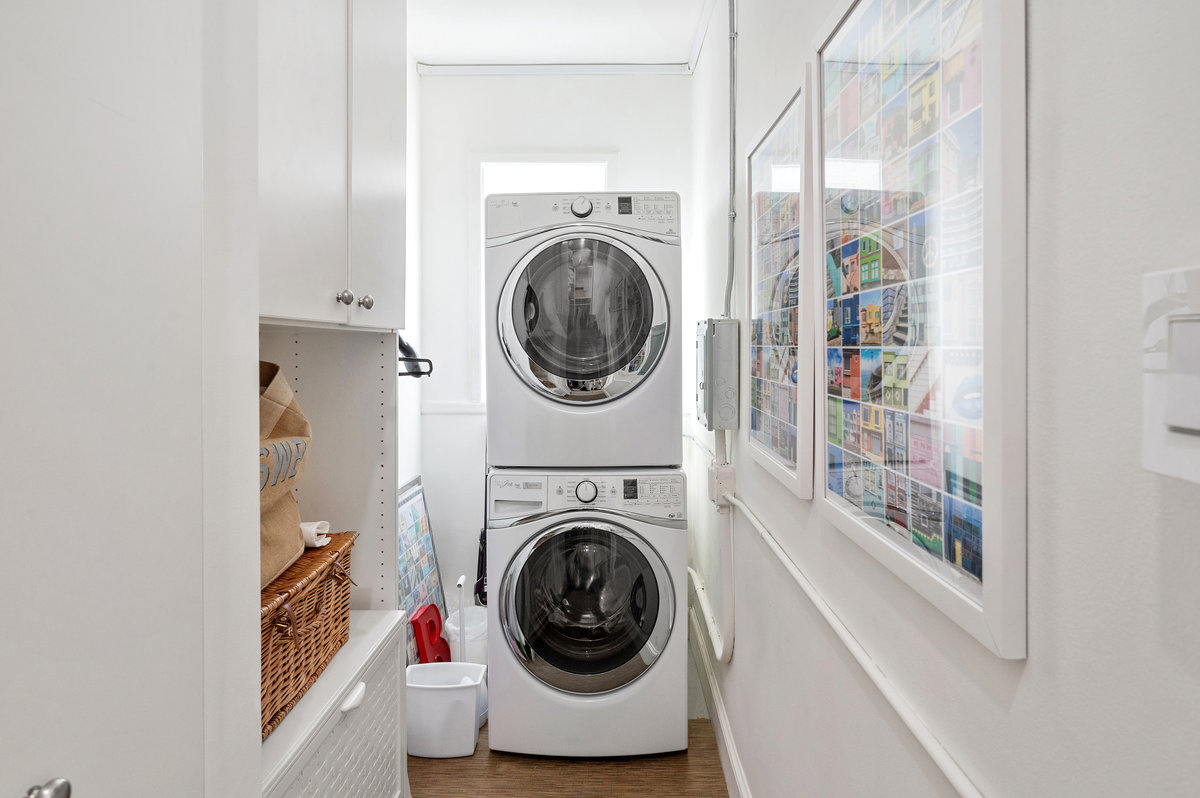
x: 717, y: 373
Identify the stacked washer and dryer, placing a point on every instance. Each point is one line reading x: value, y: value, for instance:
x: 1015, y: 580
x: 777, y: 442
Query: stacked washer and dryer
x: 586, y: 525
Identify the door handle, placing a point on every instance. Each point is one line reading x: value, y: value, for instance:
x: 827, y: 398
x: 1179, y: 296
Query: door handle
x: 59, y: 788
x: 355, y: 699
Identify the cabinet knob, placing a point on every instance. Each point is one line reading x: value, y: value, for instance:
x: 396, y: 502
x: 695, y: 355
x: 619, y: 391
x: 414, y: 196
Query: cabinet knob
x: 59, y: 788
x: 367, y: 302
x: 345, y: 297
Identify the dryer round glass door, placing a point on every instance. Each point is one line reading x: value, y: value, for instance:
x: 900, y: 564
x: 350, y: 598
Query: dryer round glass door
x: 587, y: 606
x: 583, y: 318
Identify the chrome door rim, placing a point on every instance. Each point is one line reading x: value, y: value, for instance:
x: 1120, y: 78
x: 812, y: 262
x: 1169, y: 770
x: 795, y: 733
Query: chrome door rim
x: 602, y: 389
x: 587, y: 684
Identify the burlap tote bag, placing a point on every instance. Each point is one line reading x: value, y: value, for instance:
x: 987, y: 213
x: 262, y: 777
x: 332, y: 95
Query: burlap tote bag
x: 284, y: 434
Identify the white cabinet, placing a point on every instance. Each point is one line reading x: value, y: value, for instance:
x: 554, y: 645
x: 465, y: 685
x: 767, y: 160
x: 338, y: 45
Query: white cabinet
x: 378, y: 61
x: 126, y: 167
x: 331, y: 161
x: 345, y: 737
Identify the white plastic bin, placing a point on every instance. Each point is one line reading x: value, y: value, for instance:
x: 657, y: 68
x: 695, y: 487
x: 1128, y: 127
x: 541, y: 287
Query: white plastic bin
x: 445, y: 701
x: 475, y: 631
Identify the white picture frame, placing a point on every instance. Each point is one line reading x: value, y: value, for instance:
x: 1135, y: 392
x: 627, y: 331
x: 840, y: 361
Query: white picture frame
x: 977, y: 577
x: 779, y: 174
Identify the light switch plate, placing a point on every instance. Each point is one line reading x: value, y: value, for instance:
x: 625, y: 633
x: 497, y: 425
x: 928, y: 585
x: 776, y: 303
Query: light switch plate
x: 1183, y: 375
x: 1171, y: 373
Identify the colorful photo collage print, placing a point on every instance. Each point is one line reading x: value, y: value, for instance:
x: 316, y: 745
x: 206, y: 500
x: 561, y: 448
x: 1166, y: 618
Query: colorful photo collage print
x: 775, y: 209
x: 417, y: 565
x: 903, y: 248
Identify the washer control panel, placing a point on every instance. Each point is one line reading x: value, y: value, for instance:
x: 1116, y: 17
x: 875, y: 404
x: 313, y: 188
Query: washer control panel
x: 653, y: 494
x: 659, y: 496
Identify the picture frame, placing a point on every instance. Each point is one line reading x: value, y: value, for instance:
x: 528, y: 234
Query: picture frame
x: 780, y: 339
x: 418, y: 581
x: 919, y: 194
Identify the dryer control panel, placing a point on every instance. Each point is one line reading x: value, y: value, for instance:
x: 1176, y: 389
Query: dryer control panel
x: 655, y: 494
x: 651, y: 212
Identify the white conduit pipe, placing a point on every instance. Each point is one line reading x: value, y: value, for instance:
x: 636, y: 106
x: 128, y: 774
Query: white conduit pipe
x: 722, y: 640
x: 733, y: 34
x: 941, y: 757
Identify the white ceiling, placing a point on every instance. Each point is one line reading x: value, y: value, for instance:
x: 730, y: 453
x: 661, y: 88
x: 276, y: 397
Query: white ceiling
x: 616, y: 32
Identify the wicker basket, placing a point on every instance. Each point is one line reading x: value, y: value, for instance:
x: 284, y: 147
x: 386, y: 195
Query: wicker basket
x: 305, y: 620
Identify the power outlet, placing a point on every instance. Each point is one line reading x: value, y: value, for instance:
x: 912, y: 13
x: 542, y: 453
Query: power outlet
x: 722, y: 482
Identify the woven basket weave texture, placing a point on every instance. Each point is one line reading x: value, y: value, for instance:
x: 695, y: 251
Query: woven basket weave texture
x: 305, y: 620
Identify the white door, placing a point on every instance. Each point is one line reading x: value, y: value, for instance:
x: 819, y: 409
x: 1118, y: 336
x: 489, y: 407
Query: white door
x: 127, y: 663
x: 379, y: 64
x: 303, y: 166
x: 587, y: 605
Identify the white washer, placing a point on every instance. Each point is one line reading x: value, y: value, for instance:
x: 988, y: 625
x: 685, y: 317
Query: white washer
x: 583, y: 340
x: 587, y: 612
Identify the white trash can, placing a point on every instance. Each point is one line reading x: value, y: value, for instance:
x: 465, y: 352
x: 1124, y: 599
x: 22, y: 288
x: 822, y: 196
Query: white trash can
x: 445, y: 702
x: 475, y: 632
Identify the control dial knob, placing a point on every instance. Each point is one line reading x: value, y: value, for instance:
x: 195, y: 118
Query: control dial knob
x: 581, y: 207
x: 586, y: 491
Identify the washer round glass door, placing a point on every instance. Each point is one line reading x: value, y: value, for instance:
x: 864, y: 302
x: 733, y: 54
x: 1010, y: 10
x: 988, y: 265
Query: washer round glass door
x: 583, y: 318
x: 587, y: 606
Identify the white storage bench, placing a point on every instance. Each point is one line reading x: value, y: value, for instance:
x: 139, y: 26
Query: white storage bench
x: 346, y: 735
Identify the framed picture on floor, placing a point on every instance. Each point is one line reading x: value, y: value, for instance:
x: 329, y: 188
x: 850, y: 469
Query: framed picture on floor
x: 919, y: 190
x: 418, y: 579
x: 780, y: 339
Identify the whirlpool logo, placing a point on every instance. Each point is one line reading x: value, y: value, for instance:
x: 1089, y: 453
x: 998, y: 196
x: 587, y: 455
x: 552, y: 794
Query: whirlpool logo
x: 519, y: 485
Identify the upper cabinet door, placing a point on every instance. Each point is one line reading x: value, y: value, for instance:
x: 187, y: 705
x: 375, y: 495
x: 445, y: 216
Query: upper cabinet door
x: 303, y: 159
x: 377, y: 162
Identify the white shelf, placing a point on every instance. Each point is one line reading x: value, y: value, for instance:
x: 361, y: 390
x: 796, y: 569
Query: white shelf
x: 288, y: 747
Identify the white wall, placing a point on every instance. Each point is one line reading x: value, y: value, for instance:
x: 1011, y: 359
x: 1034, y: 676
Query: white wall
x: 1106, y: 702
x: 643, y: 119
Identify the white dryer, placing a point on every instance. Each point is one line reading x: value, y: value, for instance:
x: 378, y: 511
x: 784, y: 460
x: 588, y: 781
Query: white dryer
x: 583, y: 340
x: 587, y: 612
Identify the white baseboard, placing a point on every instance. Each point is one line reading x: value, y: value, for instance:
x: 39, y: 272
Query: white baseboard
x: 731, y: 764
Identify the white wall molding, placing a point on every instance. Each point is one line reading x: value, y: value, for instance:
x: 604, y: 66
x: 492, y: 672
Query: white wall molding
x: 929, y: 741
x: 469, y: 70
x: 731, y: 763
x: 701, y: 34
x: 466, y: 70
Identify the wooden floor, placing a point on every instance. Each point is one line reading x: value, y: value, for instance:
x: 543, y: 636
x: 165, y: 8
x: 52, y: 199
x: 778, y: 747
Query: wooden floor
x: 695, y: 772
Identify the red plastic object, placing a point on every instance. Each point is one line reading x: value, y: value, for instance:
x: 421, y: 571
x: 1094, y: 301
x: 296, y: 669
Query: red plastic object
x: 427, y: 627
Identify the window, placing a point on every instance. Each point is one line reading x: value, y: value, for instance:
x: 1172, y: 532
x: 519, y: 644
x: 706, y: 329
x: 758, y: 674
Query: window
x: 525, y: 177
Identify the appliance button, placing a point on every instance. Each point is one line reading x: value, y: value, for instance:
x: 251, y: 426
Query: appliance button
x: 586, y: 491
x: 581, y: 207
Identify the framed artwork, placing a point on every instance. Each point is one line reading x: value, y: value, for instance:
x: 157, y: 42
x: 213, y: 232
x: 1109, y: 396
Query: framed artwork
x: 780, y: 428
x: 419, y: 582
x: 920, y: 192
